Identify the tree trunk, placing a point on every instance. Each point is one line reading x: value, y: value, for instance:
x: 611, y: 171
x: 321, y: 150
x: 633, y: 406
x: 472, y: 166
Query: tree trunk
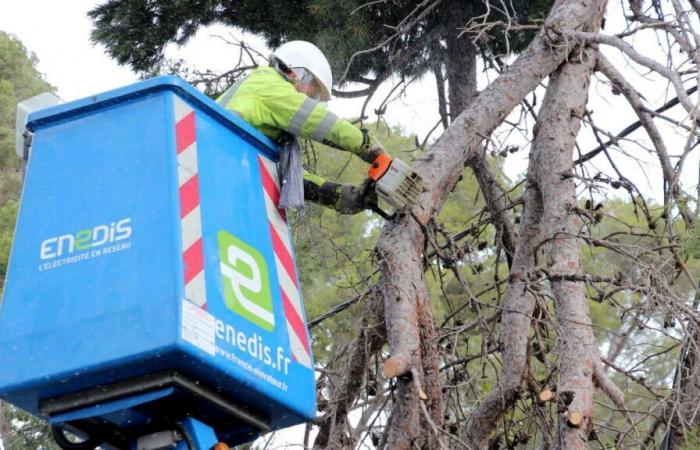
x: 557, y: 127
x: 430, y: 360
x: 402, y: 240
x: 401, y: 244
x: 461, y: 57
x: 403, y: 289
x: 440, y: 85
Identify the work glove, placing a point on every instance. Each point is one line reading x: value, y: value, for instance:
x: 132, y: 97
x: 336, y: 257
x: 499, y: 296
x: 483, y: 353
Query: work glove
x: 371, y: 147
x: 355, y: 199
x: 375, y: 149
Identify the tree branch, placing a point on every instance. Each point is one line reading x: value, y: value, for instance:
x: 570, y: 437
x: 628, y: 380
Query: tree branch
x: 643, y: 60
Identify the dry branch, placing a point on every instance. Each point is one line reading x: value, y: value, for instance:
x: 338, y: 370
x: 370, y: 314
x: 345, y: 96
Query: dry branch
x: 670, y: 74
x: 647, y: 121
x: 369, y: 341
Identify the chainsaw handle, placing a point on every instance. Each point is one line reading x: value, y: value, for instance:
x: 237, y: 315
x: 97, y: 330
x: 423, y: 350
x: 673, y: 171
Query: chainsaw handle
x: 383, y: 214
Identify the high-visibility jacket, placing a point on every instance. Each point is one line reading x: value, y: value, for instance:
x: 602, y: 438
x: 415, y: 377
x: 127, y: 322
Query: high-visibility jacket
x: 271, y: 104
x: 266, y: 100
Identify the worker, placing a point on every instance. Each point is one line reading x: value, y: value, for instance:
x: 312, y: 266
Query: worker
x: 287, y: 98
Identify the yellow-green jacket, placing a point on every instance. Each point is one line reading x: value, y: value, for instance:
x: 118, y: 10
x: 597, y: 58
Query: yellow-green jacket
x: 271, y: 104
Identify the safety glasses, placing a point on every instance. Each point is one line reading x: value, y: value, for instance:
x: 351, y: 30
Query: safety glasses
x: 305, y: 77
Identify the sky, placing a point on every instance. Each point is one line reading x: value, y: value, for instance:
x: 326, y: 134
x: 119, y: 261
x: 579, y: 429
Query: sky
x: 58, y: 32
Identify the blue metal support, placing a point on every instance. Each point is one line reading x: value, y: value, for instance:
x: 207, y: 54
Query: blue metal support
x: 190, y: 435
x: 145, y: 291
x: 199, y: 433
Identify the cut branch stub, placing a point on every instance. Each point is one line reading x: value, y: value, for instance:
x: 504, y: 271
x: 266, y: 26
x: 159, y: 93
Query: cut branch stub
x: 421, y: 394
x: 574, y: 419
x: 546, y: 395
x: 393, y: 367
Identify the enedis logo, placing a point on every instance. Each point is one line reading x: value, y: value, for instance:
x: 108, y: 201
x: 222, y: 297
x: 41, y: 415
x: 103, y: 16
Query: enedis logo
x: 84, y: 245
x: 246, y: 281
x: 88, y: 238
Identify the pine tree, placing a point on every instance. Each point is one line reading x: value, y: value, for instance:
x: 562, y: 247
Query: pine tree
x: 19, y: 80
x: 408, y: 38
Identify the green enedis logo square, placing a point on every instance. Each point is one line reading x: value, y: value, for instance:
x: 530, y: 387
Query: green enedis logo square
x: 246, y: 281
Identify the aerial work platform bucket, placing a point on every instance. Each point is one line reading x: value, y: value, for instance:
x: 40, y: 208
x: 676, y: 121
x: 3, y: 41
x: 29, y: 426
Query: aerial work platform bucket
x: 152, y: 276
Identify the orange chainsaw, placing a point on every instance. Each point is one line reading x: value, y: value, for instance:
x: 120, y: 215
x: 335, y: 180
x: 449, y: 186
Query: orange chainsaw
x: 396, y: 183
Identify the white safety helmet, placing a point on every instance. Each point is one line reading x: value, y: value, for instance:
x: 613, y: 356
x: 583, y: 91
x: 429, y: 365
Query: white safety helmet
x: 302, y: 54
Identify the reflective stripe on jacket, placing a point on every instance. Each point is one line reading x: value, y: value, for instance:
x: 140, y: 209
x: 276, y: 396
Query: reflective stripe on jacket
x: 271, y: 104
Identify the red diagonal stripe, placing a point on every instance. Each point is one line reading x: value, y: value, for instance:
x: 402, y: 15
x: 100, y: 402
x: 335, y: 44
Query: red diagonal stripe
x: 294, y: 320
x: 269, y: 183
x: 184, y: 132
x: 189, y: 196
x: 193, y: 258
x: 283, y: 254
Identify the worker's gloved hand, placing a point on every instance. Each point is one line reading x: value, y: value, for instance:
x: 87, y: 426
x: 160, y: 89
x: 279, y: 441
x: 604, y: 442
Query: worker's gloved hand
x: 375, y: 149
x: 355, y: 199
x: 371, y: 147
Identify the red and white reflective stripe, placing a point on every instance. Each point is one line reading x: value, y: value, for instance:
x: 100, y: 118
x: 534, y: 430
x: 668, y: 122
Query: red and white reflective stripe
x: 190, y: 216
x: 284, y: 262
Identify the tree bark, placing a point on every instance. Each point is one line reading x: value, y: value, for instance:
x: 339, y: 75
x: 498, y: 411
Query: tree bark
x: 430, y: 360
x: 557, y: 127
x: 403, y: 289
x: 461, y: 79
x: 440, y: 85
x: 401, y: 244
x: 549, y: 199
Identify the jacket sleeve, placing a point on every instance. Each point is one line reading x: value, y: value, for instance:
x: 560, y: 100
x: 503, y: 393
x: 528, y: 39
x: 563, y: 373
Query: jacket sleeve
x: 302, y: 116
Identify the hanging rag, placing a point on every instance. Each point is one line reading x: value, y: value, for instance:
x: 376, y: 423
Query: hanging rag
x: 291, y: 174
